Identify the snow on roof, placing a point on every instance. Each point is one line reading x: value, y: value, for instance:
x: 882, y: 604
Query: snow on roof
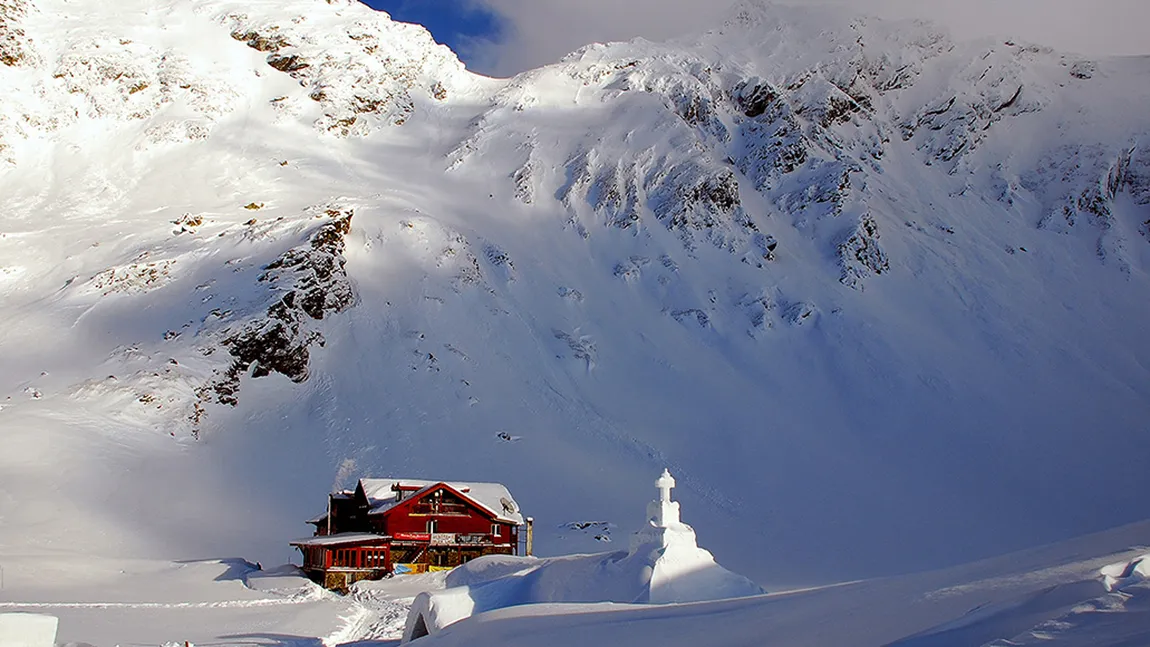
x: 493, y: 497
x: 340, y: 539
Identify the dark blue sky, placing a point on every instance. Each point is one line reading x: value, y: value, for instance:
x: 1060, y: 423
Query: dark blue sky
x: 455, y: 23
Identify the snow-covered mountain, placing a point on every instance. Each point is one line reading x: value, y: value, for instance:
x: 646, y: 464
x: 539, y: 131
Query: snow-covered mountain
x: 878, y: 298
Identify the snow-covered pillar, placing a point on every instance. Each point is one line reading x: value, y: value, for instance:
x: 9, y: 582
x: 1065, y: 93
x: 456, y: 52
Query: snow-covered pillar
x: 663, y: 526
x: 664, y: 513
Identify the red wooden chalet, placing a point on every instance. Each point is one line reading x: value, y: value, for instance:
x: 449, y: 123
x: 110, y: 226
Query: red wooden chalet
x: 411, y: 525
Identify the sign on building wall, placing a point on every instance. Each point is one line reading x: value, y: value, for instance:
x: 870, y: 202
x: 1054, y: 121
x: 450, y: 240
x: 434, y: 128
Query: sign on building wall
x: 412, y: 536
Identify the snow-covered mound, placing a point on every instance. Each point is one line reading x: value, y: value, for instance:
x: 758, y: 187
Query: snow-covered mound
x: 27, y: 630
x: 850, y: 279
x: 1125, y: 574
x: 664, y: 565
x: 1051, y: 595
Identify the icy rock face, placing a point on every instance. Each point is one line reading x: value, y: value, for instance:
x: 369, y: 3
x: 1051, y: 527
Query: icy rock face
x: 806, y: 130
x: 860, y: 255
x: 989, y: 90
x: 723, y: 129
x: 1085, y: 182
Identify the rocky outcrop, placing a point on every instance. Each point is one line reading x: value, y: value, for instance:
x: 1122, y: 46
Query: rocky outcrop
x: 1092, y: 178
x: 15, y: 45
x: 311, y: 283
x: 362, y: 76
x: 860, y: 256
x: 987, y: 91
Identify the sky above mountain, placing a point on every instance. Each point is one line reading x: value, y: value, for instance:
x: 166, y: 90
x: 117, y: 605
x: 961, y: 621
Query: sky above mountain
x: 503, y: 37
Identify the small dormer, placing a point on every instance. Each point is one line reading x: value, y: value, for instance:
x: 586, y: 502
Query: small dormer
x: 402, y: 491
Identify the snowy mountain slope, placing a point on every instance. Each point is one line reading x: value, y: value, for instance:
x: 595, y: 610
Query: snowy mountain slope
x: 879, y: 307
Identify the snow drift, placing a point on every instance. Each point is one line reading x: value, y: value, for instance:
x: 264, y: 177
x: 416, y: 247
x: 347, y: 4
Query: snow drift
x: 664, y: 565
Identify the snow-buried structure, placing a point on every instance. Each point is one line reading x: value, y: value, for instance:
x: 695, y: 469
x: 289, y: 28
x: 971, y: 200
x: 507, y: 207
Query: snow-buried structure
x: 664, y: 565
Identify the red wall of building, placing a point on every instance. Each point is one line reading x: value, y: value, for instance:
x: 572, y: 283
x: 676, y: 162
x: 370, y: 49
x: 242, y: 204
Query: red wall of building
x: 403, y: 518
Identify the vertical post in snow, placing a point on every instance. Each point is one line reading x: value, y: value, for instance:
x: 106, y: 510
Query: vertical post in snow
x: 329, y: 495
x: 530, y: 535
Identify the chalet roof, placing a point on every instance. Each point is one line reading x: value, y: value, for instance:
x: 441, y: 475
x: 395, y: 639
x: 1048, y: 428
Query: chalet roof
x: 341, y: 539
x: 493, y: 497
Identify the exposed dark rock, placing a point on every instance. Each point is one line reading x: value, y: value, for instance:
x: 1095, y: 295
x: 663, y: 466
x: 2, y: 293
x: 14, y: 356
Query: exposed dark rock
x: 693, y: 200
x: 692, y: 314
x: 15, y: 46
x: 524, y: 179
x: 773, y: 145
x: 1083, y: 70
x: 754, y: 96
x: 290, y: 63
x: 799, y: 314
x: 314, y: 284
x: 274, y: 345
x: 256, y: 41
x: 860, y: 255
x: 1011, y: 101
x: 320, y: 281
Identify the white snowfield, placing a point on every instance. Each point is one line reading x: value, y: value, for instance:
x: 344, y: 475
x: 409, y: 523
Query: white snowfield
x: 878, y: 298
x: 1053, y: 595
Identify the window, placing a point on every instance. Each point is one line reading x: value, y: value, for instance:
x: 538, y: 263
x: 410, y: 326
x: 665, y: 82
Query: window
x: 494, y: 530
x: 431, y: 525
